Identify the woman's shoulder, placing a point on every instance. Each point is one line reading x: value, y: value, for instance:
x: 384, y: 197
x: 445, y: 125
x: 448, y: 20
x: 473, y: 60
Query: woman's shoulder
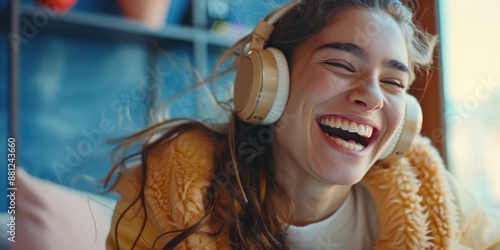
x: 191, y: 144
x: 186, y: 158
x: 189, y: 151
x: 454, y: 214
x: 178, y: 175
x: 173, y: 179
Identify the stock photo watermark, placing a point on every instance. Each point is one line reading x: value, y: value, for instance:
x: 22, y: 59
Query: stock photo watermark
x: 30, y: 27
x: 454, y: 118
x: 11, y: 189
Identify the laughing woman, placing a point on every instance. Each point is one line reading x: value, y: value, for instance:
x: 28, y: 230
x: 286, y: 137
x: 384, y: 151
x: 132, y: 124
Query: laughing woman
x: 322, y: 148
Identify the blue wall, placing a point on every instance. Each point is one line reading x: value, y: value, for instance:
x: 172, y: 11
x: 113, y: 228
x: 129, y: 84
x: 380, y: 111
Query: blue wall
x: 75, y: 93
x: 72, y: 96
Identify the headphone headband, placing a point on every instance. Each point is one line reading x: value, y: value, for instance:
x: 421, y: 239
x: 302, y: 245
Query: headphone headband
x: 277, y: 14
x: 265, y: 27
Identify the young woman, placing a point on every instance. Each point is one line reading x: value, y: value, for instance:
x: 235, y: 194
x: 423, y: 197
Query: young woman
x: 307, y: 167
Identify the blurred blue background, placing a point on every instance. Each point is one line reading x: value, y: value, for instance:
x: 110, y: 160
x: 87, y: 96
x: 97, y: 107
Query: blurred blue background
x: 77, y: 92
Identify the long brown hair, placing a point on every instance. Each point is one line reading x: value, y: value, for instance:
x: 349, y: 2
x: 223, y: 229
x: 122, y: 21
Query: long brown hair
x: 261, y: 222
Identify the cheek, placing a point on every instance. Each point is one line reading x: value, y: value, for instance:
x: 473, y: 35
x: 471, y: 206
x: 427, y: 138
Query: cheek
x: 312, y: 85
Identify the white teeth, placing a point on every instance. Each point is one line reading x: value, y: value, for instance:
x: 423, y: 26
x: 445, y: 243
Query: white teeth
x: 369, y: 131
x: 353, y: 127
x: 349, y: 145
x: 338, y: 141
x: 338, y: 123
x: 361, y: 129
x: 345, y: 125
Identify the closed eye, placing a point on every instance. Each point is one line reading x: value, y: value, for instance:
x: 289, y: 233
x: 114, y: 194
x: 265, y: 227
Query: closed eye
x: 395, y: 83
x: 342, y: 65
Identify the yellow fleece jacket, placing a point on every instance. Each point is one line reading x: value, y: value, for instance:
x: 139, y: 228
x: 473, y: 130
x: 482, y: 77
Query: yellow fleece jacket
x: 419, y: 204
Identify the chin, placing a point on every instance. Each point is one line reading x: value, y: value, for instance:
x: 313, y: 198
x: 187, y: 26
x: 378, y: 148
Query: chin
x: 345, y: 175
x: 350, y: 180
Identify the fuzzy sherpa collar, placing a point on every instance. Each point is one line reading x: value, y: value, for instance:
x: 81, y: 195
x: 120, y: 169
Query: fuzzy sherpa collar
x: 413, y: 203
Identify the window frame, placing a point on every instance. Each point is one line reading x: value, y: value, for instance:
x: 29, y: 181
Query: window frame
x: 428, y: 89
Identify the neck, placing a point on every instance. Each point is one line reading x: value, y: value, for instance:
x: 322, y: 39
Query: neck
x: 313, y: 200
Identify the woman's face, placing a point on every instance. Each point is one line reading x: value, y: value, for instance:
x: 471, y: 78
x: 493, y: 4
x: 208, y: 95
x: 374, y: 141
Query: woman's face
x: 351, y: 75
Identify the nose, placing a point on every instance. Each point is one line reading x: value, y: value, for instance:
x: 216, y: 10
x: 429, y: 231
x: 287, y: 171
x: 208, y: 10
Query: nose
x: 367, y: 95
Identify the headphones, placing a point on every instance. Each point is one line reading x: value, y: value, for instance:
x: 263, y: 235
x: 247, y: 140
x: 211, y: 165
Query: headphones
x: 262, y: 86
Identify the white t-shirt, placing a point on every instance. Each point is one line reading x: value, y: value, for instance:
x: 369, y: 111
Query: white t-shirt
x: 352, y: 226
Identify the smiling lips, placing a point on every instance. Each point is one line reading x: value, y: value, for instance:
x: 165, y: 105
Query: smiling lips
x: 348, y: 134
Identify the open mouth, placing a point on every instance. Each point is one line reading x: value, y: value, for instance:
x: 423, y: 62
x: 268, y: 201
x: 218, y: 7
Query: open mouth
x: 346, y: 133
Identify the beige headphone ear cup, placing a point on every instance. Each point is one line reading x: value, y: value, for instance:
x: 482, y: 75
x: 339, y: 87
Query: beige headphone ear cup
x: 394, y: 142
x: 407, y: 132
x: 261, y: 86
x: 283, y: 88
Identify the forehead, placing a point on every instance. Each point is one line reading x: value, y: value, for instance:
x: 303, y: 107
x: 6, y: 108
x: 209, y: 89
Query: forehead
x: 375, y: 32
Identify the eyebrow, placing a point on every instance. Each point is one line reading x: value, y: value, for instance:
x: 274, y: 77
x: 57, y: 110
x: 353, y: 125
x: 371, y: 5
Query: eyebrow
x: 395, y: 64
x: 361, y: 53
x: 347, y: 47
